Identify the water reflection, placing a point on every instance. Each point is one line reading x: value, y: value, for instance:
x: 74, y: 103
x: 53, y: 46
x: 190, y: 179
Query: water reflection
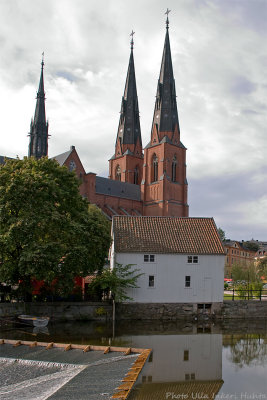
x: 181, y: 367
x: 189, y: 361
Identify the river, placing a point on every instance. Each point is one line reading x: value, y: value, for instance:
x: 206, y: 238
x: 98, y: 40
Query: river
x: 188, y: 362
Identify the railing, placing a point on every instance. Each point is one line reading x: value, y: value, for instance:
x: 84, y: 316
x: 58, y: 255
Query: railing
x: 245, y: 294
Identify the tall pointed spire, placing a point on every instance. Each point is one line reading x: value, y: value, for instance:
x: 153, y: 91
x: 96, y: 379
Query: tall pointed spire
x: 38, y: 146
x: 165, y: 118
x: 129, y: 132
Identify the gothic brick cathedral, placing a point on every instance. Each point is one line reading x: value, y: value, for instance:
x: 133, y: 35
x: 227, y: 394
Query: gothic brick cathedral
x: 150, y: 181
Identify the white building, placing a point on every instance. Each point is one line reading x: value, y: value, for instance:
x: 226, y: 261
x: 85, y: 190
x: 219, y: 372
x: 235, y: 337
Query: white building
x: 182, y: 259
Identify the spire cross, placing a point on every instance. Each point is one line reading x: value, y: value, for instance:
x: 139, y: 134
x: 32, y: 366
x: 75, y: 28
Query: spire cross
x: 132, y: 42
x: 167, y: 20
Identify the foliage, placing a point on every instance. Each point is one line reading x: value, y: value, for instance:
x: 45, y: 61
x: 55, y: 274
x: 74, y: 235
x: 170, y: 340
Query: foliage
x: 245, y: 273
x: 262, y: 267
x: 221, y: 234
x: 46, y: 231
x: 241, y: 291
x: 116, y: 281
x: 249, y: 350
x: 251, y: 246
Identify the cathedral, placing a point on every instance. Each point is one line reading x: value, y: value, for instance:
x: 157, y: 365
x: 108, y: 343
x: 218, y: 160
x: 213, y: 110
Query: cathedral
x: 149, y: 181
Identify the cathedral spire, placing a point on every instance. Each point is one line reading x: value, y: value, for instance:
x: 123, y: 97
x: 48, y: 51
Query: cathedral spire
x: 129, y: 132
x: 165, y: 119
x: 38, y: 146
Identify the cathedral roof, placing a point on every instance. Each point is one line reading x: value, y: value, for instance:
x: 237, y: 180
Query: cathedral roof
x: 61, y: 158
x: 117, y: 188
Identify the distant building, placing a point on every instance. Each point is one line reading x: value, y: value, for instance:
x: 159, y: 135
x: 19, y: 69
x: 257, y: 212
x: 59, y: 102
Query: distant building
x: 237, y: 254
x: 182, y: 259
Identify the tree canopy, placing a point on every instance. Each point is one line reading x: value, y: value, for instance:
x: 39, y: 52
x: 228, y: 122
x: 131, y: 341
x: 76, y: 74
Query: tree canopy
x: 46, y: 230
x: 116, y: 281
x: 251, y: 245
x: 221, y: 233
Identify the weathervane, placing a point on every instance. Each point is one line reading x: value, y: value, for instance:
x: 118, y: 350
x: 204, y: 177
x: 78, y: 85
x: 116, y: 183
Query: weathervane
x: 167, y: 20
x: 132, y: 42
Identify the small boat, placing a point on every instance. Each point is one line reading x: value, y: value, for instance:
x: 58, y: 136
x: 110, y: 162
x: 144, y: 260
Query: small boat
x: 33, y: 321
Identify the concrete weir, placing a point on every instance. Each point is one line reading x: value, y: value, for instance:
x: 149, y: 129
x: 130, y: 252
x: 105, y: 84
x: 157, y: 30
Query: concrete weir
x: 57, y: 371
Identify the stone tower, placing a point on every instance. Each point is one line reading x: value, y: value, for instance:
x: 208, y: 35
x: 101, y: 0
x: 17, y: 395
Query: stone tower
x: 127, y: 163
x: 164, y: 185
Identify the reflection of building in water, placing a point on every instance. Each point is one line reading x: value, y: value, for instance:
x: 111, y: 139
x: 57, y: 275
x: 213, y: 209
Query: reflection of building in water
x: 188, y: 365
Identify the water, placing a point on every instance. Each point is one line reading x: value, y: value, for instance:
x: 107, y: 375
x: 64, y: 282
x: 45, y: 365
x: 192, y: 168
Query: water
x: 189, y: 361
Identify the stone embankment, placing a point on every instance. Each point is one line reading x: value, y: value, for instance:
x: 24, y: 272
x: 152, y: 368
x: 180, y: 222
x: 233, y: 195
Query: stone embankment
x: 59, y: 311
x: 227, y: 310
x: 243, y: 309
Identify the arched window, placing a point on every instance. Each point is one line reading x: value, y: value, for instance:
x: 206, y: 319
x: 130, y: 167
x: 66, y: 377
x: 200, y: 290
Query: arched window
x: 118, y: 173
x: 154, y: 168
x: 136, y: 175
x: 174, y: 168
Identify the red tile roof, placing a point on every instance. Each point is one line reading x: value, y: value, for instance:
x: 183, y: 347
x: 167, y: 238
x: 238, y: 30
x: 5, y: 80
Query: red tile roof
x: 166, y: 235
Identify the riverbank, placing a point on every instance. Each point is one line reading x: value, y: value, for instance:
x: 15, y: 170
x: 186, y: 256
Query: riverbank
x: 88, y: 311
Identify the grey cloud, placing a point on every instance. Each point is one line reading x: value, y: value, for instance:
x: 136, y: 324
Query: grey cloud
x: 223, y: 196
x: 240, y: 86
x: 66, y: 75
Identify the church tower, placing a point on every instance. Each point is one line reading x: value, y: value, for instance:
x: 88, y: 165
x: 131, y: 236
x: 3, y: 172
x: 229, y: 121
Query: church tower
x: 164, y: 185
x: 127, y: 163
x: 38, y: 146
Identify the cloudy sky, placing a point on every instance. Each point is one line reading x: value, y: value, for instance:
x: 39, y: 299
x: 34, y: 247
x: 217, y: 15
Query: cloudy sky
x: 219, y: 56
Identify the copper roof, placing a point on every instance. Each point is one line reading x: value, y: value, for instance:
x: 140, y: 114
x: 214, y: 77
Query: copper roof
x: 166, y: 235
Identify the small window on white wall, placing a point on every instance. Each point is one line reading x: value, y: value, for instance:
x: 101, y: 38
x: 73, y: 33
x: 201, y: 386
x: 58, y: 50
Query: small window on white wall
x: 151, y: 281
x: 187, y: 281
x: 192, y: 259
x: 149, y: 258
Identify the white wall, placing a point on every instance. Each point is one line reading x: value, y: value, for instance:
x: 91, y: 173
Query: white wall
x: 167, y: 363
x: 170, y: 271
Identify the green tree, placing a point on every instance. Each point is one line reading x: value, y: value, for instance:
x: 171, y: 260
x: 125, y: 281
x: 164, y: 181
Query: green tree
x: 46, y: 231
x: 221, y: 234
x: 262, y: 267
x: 245, y: 273
x: 116, y: 281
x: 251, y: 245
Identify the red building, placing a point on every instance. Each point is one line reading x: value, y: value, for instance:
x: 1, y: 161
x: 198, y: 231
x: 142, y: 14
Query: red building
x: 150, y: 181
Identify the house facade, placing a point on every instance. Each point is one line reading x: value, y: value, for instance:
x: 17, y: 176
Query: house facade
x: 237, y: 254
x: 181, y: 259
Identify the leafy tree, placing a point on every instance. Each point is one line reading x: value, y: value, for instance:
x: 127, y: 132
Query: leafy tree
x: 262, y: 266
x: 252, y: 245
x: 116, y: 281
x: 221, y: 234
x: 46, y: 231
x: 245, y: 273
